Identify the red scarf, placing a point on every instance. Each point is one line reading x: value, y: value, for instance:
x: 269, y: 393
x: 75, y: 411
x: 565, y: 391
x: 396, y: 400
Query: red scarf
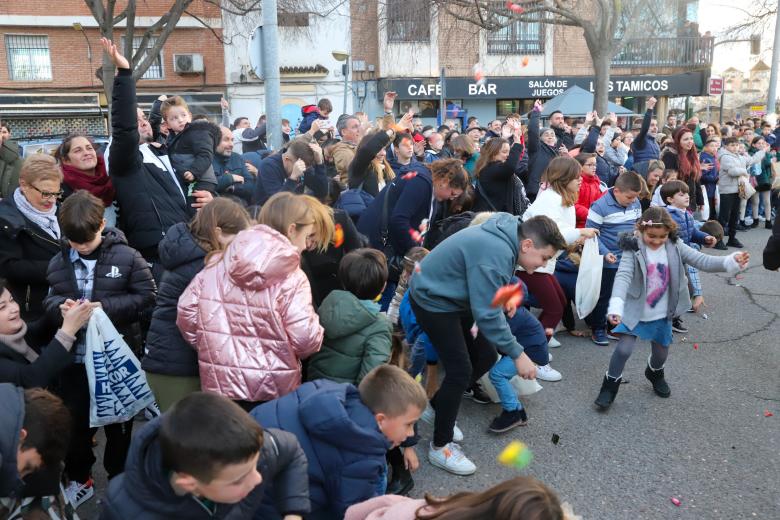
x: 98, y: 185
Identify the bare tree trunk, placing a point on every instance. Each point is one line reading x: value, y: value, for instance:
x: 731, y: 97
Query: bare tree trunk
x: 602, y: 58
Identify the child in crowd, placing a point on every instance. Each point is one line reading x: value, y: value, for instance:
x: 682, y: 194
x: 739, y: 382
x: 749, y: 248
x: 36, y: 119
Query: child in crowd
x: 519, y: 498
x: 669, y: 175
x: 591, y: 189
x: 677, y: 198
x: 319, y: 113
x: 655, y: 173
x: 206, y: 458
x: 96, y: 266
x: 346, y: 432
x: 613, y: 214
x: 191, y: 146
x: 34, y: 438
x: 412, y: 257
x: 649, y: 290
x: 249, y: 312
x: 529, y: 333
x: 733, y: 167
x: 709, y: 178
x: 357, y: 335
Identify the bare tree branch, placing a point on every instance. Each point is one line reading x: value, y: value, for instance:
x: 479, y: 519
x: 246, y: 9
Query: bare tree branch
x: 219, y: 38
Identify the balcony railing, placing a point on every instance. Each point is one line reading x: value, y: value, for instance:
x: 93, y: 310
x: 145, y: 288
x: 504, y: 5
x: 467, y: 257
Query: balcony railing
x: 683, y: 52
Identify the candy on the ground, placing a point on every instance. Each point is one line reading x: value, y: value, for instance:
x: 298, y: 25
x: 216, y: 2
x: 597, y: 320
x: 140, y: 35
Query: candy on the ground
x: 516, y: 454
x: 555, y: 438
x: 409, y: 176
x: 676, y: 501
x: 695, y: 346
x: 338, y: 236
x: 508, y: 296
x: 767, y: 413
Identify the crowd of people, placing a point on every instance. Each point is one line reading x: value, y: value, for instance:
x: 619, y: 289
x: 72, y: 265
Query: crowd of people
x: 293, y: 310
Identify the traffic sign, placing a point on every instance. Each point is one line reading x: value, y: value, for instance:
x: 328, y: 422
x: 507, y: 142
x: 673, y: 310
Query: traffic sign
x: 715, y: 87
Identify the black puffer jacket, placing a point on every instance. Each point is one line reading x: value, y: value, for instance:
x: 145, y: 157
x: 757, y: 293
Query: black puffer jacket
x: 539, y: 155
x: 149, y: 197
x: 193, y: 150
x: 166, y: 351
x: 123, y: 282
x: 25, y: 252
x: 143, y: 491
x: 17, y: 369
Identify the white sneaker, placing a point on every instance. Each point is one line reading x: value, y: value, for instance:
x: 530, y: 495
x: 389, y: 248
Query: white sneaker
x: 78, y: 493
x: 429, y: 416
x: 549, y: 357
x: 553, y: 343
x: 451, y: 458
x: 548, y: 373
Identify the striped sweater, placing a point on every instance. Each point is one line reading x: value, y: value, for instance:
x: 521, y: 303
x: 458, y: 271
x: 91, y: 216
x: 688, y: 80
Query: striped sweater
x: 611, y: 219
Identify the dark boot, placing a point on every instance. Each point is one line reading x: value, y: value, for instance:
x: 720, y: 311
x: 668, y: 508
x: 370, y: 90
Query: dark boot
x: 768, y: 224
x: 659, y: 383
x: 609, y: 389
x: 401, y: 482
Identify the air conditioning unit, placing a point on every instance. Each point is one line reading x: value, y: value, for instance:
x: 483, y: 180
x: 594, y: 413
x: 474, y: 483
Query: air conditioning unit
x: 188, y: 63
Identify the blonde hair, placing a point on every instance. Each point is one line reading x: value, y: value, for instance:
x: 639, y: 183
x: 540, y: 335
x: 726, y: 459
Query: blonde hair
x: 285, y: 209
x: 40, y: 167
x: 559, y: 173
x: 173, y: 101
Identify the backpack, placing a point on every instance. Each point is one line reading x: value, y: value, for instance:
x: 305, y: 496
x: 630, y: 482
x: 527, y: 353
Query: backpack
x: 354, y: 202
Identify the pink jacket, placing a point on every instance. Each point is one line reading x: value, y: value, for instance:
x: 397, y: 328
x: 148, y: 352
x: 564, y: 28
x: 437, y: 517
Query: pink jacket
x: 385, y: 507
x: 250, y: 317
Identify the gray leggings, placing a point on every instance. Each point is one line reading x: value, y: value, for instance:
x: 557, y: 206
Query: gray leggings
x: 623, y: 351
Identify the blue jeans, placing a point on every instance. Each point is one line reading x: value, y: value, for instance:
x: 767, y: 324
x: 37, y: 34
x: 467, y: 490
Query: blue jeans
x: 387, y: 296
x: 530, y: 334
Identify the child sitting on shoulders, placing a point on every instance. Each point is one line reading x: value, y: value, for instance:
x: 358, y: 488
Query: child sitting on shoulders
x: 649, y: 291
x: 346, y: 432
x: 357, y: 335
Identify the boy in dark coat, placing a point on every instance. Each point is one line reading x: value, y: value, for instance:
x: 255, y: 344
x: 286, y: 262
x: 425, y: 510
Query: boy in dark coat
x: 346, y: 432
x: 207, y: 459
x: 96, y: 266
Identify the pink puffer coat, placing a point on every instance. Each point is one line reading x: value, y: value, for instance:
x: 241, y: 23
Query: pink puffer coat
x: 251, y: 319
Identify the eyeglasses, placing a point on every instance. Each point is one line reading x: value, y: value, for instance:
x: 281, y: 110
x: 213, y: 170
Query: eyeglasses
x: 48, y: 194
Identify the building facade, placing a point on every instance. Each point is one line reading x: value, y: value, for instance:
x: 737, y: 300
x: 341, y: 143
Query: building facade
x: 410, y: 48
x: 50, y: 53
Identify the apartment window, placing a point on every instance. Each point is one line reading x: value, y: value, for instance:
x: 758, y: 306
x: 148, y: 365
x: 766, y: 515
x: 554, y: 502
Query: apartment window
x: 292, y: 19
x: 28, y: 57
x: 504, y: 107
x: 408, y: 21
x: 517, y: 38
x: 155, y: 70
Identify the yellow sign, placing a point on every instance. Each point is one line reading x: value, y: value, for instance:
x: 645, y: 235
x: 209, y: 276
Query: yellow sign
x: 757, y: 110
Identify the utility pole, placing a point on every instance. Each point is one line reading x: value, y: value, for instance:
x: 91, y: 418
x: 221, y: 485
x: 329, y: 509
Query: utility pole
x: 271, y: 75
x: 770, y: 103
x: 442, y: 98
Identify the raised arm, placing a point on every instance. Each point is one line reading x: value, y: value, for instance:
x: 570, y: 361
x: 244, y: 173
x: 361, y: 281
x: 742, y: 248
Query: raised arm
x: 365, y: 154
x: 124, y: 115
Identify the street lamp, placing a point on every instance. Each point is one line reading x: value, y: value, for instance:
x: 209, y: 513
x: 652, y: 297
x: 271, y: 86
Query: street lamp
x: 343, y: 56
x: 80, y: 28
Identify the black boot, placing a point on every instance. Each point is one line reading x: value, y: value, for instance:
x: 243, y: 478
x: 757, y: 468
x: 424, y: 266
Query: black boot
x: 401, y: 482
x: 609, y: 389
x: 768, y: 224
x: 659, y: 383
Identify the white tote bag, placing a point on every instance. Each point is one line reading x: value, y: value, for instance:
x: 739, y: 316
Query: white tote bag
x: 588, y: 278
x: 117, y: 386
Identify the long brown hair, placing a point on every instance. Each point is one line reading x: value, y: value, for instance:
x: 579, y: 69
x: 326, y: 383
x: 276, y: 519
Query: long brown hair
x: 451, y: 171
x: 558, y: 174
x: 520, y: 497
x: 382, y: 169
x: 221, y: 213
x: 488, y: 153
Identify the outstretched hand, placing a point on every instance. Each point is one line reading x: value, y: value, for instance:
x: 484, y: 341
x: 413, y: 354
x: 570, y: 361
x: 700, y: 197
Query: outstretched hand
x: 111, y: 49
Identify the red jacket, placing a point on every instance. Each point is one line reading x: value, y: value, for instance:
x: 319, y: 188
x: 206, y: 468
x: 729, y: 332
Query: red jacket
x: 591, y: 190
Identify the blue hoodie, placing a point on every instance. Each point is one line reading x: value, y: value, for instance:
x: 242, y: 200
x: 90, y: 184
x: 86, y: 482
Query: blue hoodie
x: 341, y: 439
x: 463, y: 273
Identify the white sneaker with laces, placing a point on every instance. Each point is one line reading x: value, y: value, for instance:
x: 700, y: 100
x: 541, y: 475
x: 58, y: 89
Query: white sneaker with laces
x: 451, y: 458
x: 78, y: 493
x: 429, y: 416
x: 548, y: 373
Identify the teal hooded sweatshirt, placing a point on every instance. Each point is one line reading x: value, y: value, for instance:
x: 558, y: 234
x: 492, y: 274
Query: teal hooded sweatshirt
x: 462, y: 274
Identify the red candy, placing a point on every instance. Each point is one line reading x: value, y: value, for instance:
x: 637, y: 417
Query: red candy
x: 767, y: 413
x: 408, y: 176
x: 508, y: 296
x: 676, y: 502
x: 525, y: 61
x: 514, y: 7
x: 695, y: 346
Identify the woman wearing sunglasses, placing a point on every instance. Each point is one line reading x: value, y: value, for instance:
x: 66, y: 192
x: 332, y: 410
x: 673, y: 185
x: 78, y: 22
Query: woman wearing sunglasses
x: 30, y: 233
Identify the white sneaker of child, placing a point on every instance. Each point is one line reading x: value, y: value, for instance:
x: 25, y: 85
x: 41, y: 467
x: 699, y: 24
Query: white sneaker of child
x: 548, y: 373
x: 451, y: 458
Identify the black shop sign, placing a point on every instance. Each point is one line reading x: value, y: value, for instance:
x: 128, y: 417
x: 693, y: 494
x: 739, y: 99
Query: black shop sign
x: 532, y: 87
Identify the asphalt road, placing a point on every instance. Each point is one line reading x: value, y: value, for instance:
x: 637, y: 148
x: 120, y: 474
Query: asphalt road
x: 709, y: 445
